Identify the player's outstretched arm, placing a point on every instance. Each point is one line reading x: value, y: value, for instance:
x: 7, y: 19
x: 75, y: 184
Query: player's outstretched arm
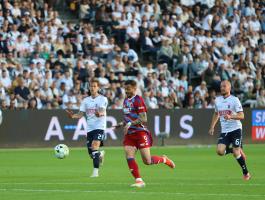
x: 119, y: 125
x: 72, y: 115
x: 213, y: 123
x: 237, y: 116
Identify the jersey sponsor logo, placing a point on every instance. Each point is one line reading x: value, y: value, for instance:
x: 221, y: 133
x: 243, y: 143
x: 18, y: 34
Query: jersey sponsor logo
x: 258, y: 125
x: 127, y: 110
x: 224, y: 112
x: 90, y: 111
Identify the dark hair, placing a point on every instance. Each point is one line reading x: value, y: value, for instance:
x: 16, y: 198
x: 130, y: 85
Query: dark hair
x: 30, y: 105
x: 131, y: 82
x: 95, y: 80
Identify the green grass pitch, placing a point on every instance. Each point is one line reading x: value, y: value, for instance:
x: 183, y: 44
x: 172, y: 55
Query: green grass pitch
x: 36, y: 174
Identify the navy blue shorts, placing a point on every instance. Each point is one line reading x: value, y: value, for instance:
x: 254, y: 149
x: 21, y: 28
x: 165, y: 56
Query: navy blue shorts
x: 233, y: 137
x: 97, y: 135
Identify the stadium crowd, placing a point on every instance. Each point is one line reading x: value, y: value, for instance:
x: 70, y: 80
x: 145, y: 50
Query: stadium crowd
x: 178, y: 51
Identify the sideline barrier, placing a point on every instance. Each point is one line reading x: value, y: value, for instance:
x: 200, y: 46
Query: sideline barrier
x: 46, y: 128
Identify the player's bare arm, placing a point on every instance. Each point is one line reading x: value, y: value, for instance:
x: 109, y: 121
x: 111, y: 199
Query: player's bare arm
x: 237, y: 116
x: 142, y: 119
x: 100, y: 112
x: 73, y: 115
x: 213, y: 123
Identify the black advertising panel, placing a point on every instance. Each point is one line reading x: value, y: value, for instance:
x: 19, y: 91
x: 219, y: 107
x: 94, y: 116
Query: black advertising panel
x: 46, y: 128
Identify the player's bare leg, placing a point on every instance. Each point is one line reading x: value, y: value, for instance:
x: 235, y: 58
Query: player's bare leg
x: 102, y: 157
x: 243, y: 154
x: 242, y: 163
x: 130, y: 152
x: 95, y: 154
x: 220, y: 150
x: 153, y: 160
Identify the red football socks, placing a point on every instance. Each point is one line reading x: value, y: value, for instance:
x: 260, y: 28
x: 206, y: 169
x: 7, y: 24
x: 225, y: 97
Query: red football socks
x: 133, y: 167
x: 157, y: 160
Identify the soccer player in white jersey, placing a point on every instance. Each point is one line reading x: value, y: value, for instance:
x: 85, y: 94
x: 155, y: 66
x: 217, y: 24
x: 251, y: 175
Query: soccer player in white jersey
x: 93, y: 108
x: 229, y: 109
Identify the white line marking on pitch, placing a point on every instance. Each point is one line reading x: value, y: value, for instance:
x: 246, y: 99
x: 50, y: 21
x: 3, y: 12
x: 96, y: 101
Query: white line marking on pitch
x: 131, y: 192
x: 177, y: 184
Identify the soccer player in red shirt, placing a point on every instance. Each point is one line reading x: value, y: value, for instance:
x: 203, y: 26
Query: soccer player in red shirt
x: 136, y: 135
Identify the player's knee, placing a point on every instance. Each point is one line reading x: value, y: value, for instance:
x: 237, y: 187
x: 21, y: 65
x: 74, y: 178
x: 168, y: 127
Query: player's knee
x: 129, y: 154
x: 95, y: 146
x: 147, y: 161
x: 236, y: 152
x: 220, y: 152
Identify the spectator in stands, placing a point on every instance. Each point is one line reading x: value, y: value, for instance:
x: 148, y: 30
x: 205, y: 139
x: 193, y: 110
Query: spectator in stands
x: 133, y: 34
x: 195, y: 41
x: 22, y: 93
x: 165, y: 53
x: 129, y: 53
x: 261, y: 99
x: 5, y: 80
x: 148, y: 46
x: 202, y: 89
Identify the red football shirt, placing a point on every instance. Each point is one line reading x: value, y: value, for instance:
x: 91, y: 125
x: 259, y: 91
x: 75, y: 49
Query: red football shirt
x: 132, y: 107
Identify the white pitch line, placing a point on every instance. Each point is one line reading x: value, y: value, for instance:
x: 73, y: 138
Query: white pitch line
x: 95, y: 183
x: 132, y: 192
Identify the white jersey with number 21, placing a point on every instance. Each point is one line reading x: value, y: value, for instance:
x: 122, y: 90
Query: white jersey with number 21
x: 229, y: 105
x: 89, y: 106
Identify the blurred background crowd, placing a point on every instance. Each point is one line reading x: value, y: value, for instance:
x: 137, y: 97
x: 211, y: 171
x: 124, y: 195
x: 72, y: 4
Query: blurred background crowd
x: 178, y: 51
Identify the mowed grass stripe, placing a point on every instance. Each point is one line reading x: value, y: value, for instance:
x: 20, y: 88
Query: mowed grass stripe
x: 131, y: 192
x: 176, y: 184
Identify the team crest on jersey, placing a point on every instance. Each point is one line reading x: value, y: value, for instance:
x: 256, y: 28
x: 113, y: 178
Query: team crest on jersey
x: 90, y: 111
x: 129, y: 104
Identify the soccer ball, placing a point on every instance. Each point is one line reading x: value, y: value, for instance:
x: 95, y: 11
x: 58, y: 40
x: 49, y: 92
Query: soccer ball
x: 61, y: 151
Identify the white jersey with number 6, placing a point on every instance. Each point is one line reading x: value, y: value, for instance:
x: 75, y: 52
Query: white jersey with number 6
x: 229, y: 105
x: 89, y: 106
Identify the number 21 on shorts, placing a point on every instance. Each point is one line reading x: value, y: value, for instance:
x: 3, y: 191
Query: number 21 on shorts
x: 100, y: 137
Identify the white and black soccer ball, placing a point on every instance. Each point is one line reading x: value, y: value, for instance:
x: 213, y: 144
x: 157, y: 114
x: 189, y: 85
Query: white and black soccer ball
x: 61, y: 151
